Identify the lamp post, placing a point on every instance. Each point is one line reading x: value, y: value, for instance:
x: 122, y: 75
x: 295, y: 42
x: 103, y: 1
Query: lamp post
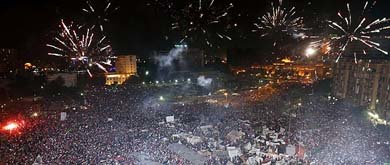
x: 226, y: 97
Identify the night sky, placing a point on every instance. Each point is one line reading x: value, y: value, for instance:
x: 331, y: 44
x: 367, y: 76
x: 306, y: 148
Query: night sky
x: 138, y: 28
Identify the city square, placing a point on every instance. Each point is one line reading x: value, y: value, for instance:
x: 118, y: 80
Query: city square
x: 195, y: 82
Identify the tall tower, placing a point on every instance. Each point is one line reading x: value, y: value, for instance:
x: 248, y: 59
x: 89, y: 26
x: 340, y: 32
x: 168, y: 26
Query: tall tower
x: 126, y: 65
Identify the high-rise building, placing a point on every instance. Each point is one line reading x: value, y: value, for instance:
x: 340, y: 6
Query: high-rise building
x: 364, y: 82
x: 126, y: 66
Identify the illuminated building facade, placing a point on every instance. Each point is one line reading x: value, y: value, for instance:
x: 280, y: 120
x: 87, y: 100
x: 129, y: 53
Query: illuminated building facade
x: 126, y: 67
x: 364, y: 82
x: 126, y: 64
x: 295, y: 72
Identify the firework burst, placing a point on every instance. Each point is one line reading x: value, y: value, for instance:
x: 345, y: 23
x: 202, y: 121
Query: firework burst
x: 199, y: 21
x: 99, y: 15
x: 363, y: 31
x: 81, y: 46
x: 281, y: 21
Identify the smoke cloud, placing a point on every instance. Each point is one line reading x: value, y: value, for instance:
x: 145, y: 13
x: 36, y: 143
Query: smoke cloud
x: 204, y: 82
x: 166, y: 61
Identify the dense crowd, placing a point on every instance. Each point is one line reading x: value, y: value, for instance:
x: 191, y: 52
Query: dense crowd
x: 337, y: 134
x: 127, y: 125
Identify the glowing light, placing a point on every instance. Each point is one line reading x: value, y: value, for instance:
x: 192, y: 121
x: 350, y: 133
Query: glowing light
x: 161, y: 98
x: 27, y: 66
x: 11, y: 126
x: 287, y: 60
x: 373, y: 115
x: 328, y: 48
x: 310, y: 52
x: 35, y: 114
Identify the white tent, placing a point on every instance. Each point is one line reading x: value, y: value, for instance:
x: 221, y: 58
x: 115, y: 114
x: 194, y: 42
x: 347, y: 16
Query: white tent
x: 170, y: 119
x: 194, y: 139
x: 63, y: 116
x: 233, y: 152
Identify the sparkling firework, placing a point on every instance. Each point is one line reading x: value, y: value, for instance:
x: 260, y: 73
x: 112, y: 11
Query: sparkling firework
x: 98, y: 16
x: 198, y: 21
x: 363, y: 31
x: 280, y: 21
x: 80, y: 46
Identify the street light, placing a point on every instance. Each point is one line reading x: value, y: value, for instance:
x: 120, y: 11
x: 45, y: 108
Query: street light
x: 161, y: 98
x: 147, y: 73
x: 226, y: 96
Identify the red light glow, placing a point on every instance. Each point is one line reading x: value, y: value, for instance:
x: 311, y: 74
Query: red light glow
x: 11, y: 126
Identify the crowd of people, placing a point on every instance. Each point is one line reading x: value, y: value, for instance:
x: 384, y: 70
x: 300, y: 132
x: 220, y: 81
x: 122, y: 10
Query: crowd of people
x: 128, y: 125
x: 339, y: 134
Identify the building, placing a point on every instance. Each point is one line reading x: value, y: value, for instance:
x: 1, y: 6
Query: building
x: 126, y: 66
x: 288, y: 71
x: 364, y: 82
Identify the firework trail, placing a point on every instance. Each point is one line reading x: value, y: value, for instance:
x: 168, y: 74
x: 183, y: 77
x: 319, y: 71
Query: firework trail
x: 99, y: 15
x: 280, y: 21
x: 81, y: 46
x: 198, y: 21
x: 359, y: 29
